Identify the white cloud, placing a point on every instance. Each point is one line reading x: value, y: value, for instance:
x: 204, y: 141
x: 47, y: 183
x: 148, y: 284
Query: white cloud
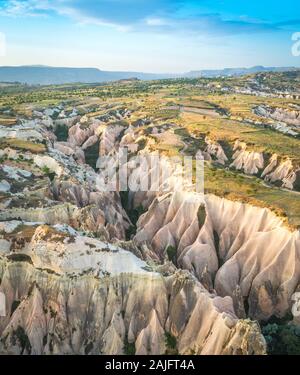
x: 157, y: 22
x: 137, y: 15
x: 34, y: 8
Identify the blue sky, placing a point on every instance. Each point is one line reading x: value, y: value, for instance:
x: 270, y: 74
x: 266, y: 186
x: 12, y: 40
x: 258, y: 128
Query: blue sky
x: 149, y: 35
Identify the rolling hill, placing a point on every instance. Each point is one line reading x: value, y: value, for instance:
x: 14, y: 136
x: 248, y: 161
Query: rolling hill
x: 44, y: 75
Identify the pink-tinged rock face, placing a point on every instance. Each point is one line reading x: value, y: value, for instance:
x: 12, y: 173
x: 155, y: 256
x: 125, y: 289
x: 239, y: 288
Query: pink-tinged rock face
x: 78, y: 135
x: 241, y: 257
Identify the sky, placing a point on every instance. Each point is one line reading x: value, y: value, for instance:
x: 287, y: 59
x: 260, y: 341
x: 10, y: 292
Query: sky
x: 149, y: 35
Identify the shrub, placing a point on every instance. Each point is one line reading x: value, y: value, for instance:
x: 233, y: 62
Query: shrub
x: 201, y: 215
x: 61, y: 133
x: 48, y: 173
x: 91, y: 155
x: 22, y: 337
x: 129, y: 347
x: 171, y: 252
x: 171, y: 344
x: 282, y: 339
x: 170, y: 340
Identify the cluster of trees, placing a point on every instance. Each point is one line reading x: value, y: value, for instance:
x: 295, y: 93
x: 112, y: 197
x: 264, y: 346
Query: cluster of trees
x: 282, y: 337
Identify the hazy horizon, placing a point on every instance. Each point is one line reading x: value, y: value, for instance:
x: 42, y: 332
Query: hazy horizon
x: 143, y: 71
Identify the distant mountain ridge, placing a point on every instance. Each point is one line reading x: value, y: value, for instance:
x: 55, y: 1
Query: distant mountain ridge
x: 45, y: 75
x: 238, y: 71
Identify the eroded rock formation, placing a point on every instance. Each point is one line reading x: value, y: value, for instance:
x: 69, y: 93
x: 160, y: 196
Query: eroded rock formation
x: 252, y: 257
x: 67, y: 294
x: 197, y: 268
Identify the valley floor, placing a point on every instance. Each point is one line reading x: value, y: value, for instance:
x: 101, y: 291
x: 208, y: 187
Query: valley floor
x: 88, y: 271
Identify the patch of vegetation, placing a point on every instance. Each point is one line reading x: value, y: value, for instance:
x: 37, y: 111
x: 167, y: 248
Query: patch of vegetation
x: 19, y: 144
x: 124, y: 195
x: 53, y: 313
x: 133, y: 213
x: 20, y: 335
x: 217, y: 247
x: 88, y: 348
x: 129, y: 347
x: 61, y: 132
x: 192, y: 144
x: 20, y: 258
x: 45, y: 339
x: 6, y: 121
x: 142, y: 143
x: 227, y: 130
x: 14, y: 306
x: 48, y: 270
x: 201, y: 214
x: 55, y: 115
x: 51, y: 234
x: 282, y: 339
x: 172, y: 253
x: 130, y: 232
x: 48, y: 173
x: 171, y: 343
x: 91, y: 155
x: 236, y: 187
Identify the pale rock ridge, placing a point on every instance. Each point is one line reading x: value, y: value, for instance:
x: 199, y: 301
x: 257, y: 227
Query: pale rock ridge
x: 11, y: 153
x: 281, y: 171
x: 281, y: 122
x: 114, y: 336
x: 98, y: 209
x: 289, y: 181
x: 50, y: 163
x: 21, y: 132
x: 215, y: 150
x: 88, y: 315
x: 102, y: 214
x: 109, y: 138
x: 90, y: 142
x: 241, y: 257
x: 68, y: 121
x: 71, y: 150
x: 129, y: 140
x: 71, y: 294
x: 273, y: 162
x: 89, y: 208
x: 248, y: 161
x: 4, y: 186
x: 79, y: 134
x: 285, y: 172
x: 203, y: 155
x: 155, y: 176
x: 14, y: 173
x: 289, y: 116
x: 151, y: 339
x: 64, y: 147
